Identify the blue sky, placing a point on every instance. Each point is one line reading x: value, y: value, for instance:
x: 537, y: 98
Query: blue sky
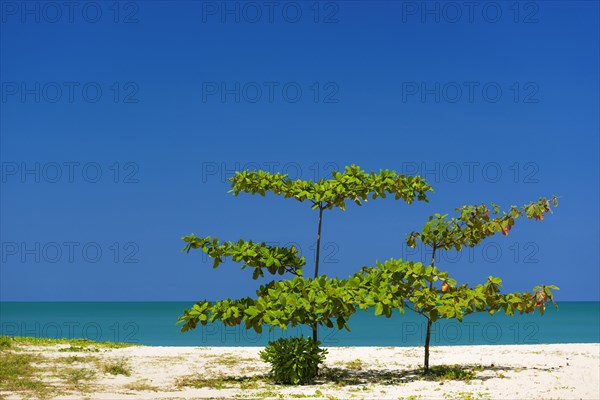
x: 119, y: 127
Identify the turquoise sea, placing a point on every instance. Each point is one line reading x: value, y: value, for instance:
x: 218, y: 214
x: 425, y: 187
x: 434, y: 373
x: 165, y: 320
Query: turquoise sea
x: 153, y: 323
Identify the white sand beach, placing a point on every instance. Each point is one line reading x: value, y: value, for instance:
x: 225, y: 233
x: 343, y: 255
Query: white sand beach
x: 553, y: 371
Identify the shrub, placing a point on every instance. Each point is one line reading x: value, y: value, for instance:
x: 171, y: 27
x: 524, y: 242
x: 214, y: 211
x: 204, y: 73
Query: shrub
x: 294, y: 360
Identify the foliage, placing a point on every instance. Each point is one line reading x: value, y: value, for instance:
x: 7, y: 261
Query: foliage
x: 293, y: 360
x: 397, y: 284
x: 474, y: 224
x: 394, y: 285
x: 298, y: 301
x: 256, y: 255
x: 353, y: 184
x: 320, y: 301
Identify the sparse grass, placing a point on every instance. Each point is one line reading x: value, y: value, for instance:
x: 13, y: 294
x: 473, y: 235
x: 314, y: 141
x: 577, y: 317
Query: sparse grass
x: 117, y: 367
x: 19, y: 374
x: 336, y: 375
x: 357, y: 364
x: 198, y: 382
x: 251, y: 383
x: 78, y: 349
x: 317, y: 393
x: 141, y: 385
x: 336, y: 378
x: 5, y: 342
x: 228, y: 360
x: 77, y: 378
x: 222, y: 381
x: 166, y: 360
x: 359, y: 388
x: 347, y: 376
x: 470, y: 396
x: 77, y: 359
x: 9, y: 341
x: 266, y: 393
x: 453, y: 372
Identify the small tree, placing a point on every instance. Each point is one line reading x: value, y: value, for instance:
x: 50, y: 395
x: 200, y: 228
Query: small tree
x: 393, y: 285
x: 313, y: 301
x: 396, y: 284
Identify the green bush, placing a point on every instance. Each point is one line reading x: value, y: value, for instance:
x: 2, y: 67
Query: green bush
x: 293, y: 360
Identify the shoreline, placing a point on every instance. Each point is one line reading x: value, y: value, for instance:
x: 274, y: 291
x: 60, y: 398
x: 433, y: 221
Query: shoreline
x: 521, y: 371
x: 374, y: 346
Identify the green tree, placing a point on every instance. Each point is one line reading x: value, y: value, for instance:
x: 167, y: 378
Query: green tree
x: 392, y: 285
x: 353, y: 184
x: 426, y: 290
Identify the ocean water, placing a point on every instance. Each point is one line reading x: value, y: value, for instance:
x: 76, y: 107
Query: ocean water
x: 154, y: 324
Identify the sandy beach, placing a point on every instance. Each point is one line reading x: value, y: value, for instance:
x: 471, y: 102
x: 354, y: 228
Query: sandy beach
x: 554, y: 371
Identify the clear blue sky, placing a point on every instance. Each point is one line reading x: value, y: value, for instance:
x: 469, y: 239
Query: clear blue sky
x: 116, y: 137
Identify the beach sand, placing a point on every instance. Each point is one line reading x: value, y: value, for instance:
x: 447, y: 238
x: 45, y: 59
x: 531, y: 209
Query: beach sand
x: 553, y: 371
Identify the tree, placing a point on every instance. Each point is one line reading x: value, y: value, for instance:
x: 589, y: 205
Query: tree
x: 271, y: 307
x: 392, y: 285
x: 397, y: 284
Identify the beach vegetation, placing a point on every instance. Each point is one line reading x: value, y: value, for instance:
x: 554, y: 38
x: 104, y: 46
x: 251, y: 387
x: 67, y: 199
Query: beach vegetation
x: 35, y: 375
x: 454, y: 372
x: 396, y: 285
x: 312, y: 302
x: 356, y: 364
x: 141, y: 386
x: 222, y: 381
x: 20, y: 374
x: 293, y: 360
x: 351, y: 185
x: 392, y: 286
x: 77, y: 378
x: 5, y: 342
x: 472, y: 396
x: 117, y: 367
x: 77, y: 359
x: 229, y: 360
x: 75, y: 343
x: 79, y: 349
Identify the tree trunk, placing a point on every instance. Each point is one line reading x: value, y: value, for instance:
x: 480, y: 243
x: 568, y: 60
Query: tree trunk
x: 427, y: 339
x: 429, y: 322
x: 318, y: 251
